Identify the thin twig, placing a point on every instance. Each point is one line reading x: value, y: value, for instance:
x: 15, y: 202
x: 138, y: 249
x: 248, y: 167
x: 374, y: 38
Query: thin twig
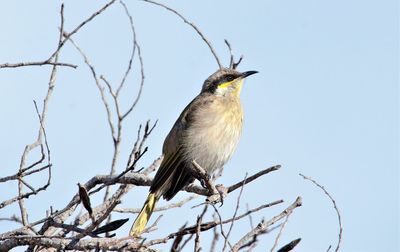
x: 177, y: 241
x: 215, y: 236
x: 334, y: 205
x: 197, y: 246
x: 193, y: 26
x: 230, y: 53
x: 262, y: 226
x: 77, y: 28
x: 158, y: 209
x: 235, y: 213
x: 211, y: 224
x: 280, y: 233
x: 253, y: 177
x: 60, y: 45
x: 36, y: 63
x: 222, y: 228
x: 133, y: 48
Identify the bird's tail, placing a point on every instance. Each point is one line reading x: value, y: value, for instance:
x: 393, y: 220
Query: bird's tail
x: 144, y: 215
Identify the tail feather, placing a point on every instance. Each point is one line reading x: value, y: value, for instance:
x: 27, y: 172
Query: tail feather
x: 144, y: 215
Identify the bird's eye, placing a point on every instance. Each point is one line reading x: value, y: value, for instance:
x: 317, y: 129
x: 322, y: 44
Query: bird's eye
x: 230, y: 78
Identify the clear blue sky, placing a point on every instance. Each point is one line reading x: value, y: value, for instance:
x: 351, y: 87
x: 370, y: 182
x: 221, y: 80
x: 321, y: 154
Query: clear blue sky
x: 325, y: 103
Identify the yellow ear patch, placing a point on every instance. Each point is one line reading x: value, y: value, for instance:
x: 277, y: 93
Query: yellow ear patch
x: 237, y: 85
x: 225, y: 84
x: 238, y: 82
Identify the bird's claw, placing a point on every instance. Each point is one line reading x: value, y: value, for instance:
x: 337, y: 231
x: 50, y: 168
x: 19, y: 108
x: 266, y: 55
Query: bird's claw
x: 222, y: 192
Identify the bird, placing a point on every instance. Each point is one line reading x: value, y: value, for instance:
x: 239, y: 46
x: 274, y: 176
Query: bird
x: 207, y: 132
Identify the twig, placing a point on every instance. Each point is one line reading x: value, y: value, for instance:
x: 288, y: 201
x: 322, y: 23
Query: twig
x: 215, y: 236
x: 235, y: 213
x: 186, y: 242
x: 193, y: 26
x: 153, y: 226
x: 61, y: 243
x: 158, y: 209
x: 177, y: 241
x: 230, y: 53
x: 262, y: 226
x: 208, y: 225
x: 222, y: 228
x: 280, y: 233
x: 68, y: 36
x: 253, y: 177
x: 133, y: 48
x: 13, y: 218
x: 142, y: 76
x: 38, y: 142
x: 36, y: 63
x: 60, y: 45
x: 197, y: 246
x: 334, y: 205
x: 250, y: 218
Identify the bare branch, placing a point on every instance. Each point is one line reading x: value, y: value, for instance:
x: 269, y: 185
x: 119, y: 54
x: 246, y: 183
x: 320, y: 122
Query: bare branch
x: 197, y: 246
x: 232, y: 63
x: 253, y: 177
x: 215, y: 236
x: 193, y: 26
x: 236, y: 210
x: 68, y: 36
x: 142, y: 77
x: 36, y: 63
x: 60, y: 45
x: 133, y: 48
x: 222, y: 228
x: 262, y: 226
x: 334, y: 205
x: 158, y: 209
x: 177, y: 241
x: 208, y: 225
x: 230, y: 53
x: 72, y: 244
x: 280, y: 233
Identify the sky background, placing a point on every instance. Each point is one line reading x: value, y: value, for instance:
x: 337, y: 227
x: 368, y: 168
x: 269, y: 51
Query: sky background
x: 325, y: 103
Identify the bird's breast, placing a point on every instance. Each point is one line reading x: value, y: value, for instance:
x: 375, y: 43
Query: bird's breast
x: 214, y: 133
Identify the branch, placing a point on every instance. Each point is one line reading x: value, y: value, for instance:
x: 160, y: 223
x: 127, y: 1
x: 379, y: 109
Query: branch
x: 262, y: 226
x: 253, y: 177
x: 334, y: 205
x: 193, y: 26
x: 36, y: 63
x: 211, y: 224
x: 72, y: 244
x: 158, y: 209
x: 60, y: 45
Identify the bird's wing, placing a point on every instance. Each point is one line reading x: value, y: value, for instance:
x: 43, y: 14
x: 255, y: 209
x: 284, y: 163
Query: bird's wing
x: 172, y: 170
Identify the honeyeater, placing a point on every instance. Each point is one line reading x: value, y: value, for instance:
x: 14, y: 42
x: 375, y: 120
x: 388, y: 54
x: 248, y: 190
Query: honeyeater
x: 207, y: 131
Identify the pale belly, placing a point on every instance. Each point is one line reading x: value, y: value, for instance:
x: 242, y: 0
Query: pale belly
x: 213, y: 138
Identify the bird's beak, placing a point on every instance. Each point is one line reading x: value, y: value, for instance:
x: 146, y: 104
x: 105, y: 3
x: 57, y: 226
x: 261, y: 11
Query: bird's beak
x: 248, y: 73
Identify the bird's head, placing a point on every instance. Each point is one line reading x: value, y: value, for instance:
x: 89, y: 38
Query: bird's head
x: 225, y: 81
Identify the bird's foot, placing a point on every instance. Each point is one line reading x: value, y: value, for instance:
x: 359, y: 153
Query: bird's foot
x: 219, y: 196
